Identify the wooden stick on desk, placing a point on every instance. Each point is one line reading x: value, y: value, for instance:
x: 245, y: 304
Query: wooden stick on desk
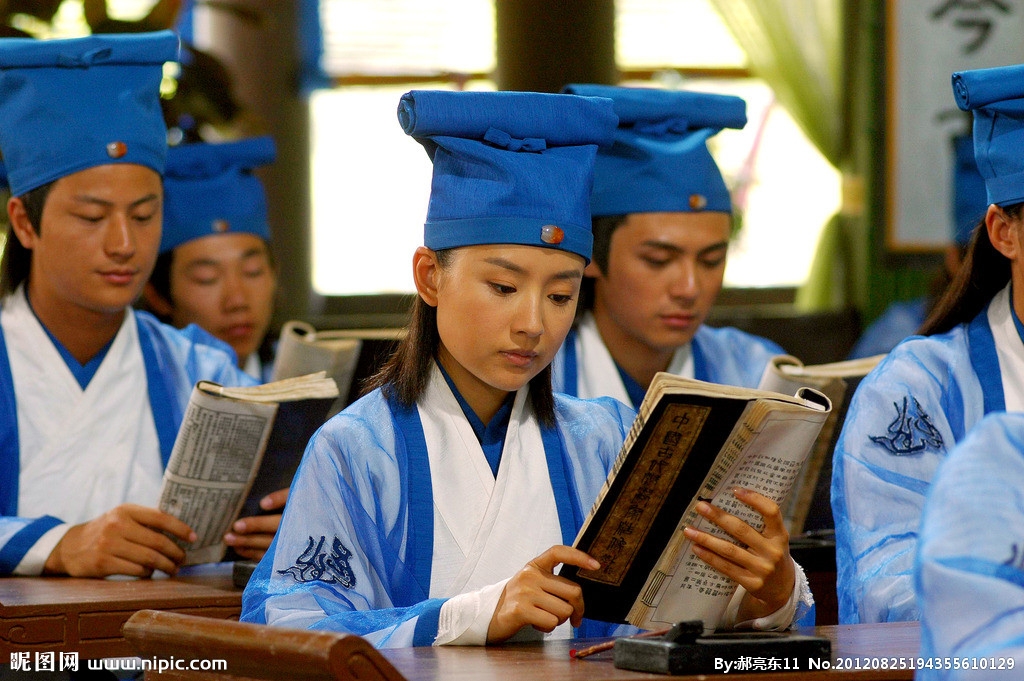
x: 608, y: 645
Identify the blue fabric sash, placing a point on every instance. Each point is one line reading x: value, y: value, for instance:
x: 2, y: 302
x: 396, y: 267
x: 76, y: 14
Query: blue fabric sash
x: 161, y: 394
x: 982, y: 348
x: 412, y: 444
x: 10, y: 458
x: 571, y: 384
x: 700, y: 364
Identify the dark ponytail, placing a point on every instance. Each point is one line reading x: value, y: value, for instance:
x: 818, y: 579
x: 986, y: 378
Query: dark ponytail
x: 983, y: 273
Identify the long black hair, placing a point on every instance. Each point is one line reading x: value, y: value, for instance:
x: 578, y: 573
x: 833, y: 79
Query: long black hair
x: 404, y: 376
x: 983, y: 273
x: 17, y: 260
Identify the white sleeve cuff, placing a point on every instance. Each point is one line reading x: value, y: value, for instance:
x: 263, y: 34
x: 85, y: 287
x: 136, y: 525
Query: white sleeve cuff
x: 465, y: 619
x: 34, y: 560
x: 776, y: 621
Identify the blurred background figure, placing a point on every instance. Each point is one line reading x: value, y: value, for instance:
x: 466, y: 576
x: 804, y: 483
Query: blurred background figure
x: 903, y: 318
x: 215, y: 267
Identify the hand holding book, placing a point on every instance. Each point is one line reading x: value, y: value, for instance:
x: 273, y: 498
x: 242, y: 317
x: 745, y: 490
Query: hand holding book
x: 692, y: 442
x: 757, y: 561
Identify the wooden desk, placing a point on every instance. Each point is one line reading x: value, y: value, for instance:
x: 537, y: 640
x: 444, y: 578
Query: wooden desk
x: 548, y: 661
x: 42, y: 614
x: 271, y: 653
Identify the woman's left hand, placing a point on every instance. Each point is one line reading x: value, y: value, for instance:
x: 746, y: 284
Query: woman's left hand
x: 764, y: 567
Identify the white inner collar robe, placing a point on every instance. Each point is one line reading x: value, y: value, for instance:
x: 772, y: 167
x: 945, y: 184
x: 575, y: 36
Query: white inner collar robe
x: 1009, y: 349
x: 598, y: 375
x: 82, y: 451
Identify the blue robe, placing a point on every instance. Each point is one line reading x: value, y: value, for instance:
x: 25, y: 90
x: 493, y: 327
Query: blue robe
x: 905, y: 416
x: 361, y: 562
x: 175, y: 360
x: 720, y: 355
x: 970, y: 566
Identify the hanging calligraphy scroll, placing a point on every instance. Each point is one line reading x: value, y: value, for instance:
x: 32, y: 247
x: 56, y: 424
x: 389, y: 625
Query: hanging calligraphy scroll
x: 926, y: 41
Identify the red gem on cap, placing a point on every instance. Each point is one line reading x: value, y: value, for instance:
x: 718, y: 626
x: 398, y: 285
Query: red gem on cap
x: 551, y: 234
x: 698, y: 201
x: 220, y: 226
x: 116, y: 149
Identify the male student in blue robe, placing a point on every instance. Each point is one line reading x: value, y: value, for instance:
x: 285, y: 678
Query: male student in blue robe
x: 215, y: 267
x: 436, y: 509
x: 91, y: 393
x: 928, y: 393
x: 662, y: 218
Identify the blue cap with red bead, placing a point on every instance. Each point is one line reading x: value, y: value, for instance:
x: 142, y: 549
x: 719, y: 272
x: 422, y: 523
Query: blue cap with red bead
x: 660, y: 160
x: 509, y: 167
x: 68, y: 105
x: 209, y: 188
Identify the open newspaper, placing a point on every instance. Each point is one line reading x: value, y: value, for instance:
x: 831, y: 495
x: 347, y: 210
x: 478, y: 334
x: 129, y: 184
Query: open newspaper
x: 691, y: 441
x: 229, y: 439
x: 837, y: 380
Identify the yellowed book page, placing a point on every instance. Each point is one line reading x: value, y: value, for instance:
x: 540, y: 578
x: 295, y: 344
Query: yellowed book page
x: 301, y: 349
x: 310, y: 386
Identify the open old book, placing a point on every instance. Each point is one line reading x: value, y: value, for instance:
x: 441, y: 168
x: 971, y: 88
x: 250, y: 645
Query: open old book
x: 302, y: 349
x: 234, y: 446
x: 837, y: 380
x: 691, y: 441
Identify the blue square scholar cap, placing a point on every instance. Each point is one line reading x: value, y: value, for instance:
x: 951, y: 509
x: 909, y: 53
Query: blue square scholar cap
x: 969, y: 202
x: 996, y: 97
x: 209, y: 188
x: 660, y: 161
x: 509, y: 167
x: 68, y: 105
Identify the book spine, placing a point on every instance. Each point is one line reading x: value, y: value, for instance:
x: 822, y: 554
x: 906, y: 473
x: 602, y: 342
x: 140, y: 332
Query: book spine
x: 631, y: 437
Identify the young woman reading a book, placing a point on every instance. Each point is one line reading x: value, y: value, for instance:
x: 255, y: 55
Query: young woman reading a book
x: 437, y: 508
x: 930, y: 391
x: 91, y: 393
x: 215, y: 267
x: 662, y: 219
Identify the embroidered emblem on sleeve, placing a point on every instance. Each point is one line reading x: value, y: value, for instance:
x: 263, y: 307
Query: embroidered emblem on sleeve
x: 315, y: 565
x: 911, y: 432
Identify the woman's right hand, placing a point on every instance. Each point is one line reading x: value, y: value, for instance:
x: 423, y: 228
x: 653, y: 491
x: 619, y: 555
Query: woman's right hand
x: 537, y: 597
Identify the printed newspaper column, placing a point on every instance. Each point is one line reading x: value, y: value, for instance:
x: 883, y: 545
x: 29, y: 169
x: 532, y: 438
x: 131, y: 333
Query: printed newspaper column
x: 221, y: 446
x: 211, y: 467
